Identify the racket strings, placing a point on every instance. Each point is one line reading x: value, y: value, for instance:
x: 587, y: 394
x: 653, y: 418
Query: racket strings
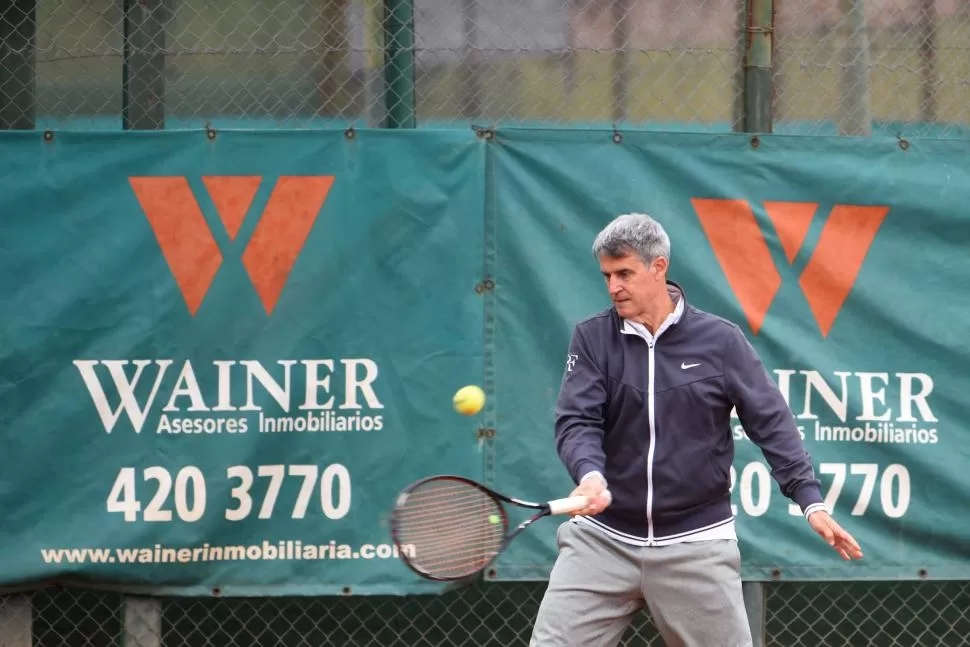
x: 453, y: 528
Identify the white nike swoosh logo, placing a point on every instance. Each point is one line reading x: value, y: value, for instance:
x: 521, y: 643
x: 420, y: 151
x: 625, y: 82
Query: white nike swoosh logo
x: 686, y: 366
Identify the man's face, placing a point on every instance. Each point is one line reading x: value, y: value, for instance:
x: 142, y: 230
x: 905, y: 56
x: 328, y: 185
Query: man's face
x: 633, y: 285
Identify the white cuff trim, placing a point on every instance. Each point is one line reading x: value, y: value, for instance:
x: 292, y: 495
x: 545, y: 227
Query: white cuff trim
x: 815, y: 507
x: 594, y: 473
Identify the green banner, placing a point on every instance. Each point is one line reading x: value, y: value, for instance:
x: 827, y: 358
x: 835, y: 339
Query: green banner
x: 845, y: 262
x: 222, y: 357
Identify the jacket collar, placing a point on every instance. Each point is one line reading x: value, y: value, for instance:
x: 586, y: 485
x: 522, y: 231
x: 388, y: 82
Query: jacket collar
x: 677, y: 295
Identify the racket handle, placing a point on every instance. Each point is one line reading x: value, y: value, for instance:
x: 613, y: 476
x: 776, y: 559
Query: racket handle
x: 569, y: 504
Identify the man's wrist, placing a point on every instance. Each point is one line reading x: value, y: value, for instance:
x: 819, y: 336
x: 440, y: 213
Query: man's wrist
x: 594, y: 473
x: 816, y: 507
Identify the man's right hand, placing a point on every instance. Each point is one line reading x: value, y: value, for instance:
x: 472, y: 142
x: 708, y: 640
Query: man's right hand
x: 593, y: 487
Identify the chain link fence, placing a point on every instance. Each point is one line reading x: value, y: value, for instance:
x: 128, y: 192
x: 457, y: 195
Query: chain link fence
x: 860, y: 66
x: 883, y: 614
x: 817, y: 67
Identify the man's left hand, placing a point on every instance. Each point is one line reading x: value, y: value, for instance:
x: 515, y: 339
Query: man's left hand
x: 834, y: 535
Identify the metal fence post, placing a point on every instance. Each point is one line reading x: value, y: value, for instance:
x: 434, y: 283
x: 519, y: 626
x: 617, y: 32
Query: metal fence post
x: 754, y: 604
x: 759, y: 43
x: 18, y: 33
x: 621, y: 59
x: 399, y: 63
x: 471, y: 64
x: 142, y: 622
x: 16, y: 621
x: 855, y: 117
x: 929, y: 78
x: 143, y: 82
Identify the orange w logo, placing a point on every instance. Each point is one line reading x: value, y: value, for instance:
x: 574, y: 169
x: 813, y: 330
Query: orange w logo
x: 826, y: 281
x: 190, y: 249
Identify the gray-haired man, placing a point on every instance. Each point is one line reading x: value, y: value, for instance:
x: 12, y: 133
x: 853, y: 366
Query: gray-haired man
x: 643, y: 427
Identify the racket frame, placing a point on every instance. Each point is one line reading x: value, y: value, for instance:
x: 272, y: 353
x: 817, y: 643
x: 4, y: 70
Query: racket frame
x: 543, y: 509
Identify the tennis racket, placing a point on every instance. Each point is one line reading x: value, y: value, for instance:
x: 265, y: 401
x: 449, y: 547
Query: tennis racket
x: 449, y: 528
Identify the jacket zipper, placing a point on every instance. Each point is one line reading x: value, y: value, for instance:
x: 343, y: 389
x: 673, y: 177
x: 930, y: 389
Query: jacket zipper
x: 653, y: 441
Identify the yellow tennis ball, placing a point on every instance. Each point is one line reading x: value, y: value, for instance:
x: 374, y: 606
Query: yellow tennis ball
x: 469, y: 400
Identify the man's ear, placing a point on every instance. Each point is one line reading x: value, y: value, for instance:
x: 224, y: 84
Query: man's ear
x: 660, y: 263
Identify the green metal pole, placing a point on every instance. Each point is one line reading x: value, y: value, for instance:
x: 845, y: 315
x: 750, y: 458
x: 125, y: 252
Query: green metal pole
x: 399, y: 63
x: 758, y: 66
x: 855, y: 114
x: 621, y: 59
x: 143, y: 66
x: 18, y: 74
x: 929, y: 79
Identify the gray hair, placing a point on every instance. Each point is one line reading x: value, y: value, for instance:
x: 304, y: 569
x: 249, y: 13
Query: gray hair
x: 635, y: 233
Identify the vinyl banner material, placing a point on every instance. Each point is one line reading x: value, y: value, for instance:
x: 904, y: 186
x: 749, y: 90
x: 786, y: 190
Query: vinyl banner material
x: 221, y: 358
x: 843, y: 260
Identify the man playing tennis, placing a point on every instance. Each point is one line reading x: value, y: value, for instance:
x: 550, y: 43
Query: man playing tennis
x: 644, y: 409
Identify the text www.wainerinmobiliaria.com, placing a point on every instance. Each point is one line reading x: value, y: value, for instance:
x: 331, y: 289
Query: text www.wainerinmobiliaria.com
x: 294, y: 550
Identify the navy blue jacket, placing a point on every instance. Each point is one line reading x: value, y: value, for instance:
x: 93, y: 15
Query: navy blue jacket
x: 655, y: 420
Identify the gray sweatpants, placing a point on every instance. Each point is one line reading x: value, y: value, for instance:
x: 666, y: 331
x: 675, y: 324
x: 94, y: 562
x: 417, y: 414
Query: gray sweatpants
x: 693, y: 592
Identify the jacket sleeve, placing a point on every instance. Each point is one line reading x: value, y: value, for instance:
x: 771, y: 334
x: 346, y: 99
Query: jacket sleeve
x: 770, y: 424
x: 579, y: 411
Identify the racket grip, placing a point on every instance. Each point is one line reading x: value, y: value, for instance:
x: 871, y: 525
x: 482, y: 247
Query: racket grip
x: 569, y: 504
